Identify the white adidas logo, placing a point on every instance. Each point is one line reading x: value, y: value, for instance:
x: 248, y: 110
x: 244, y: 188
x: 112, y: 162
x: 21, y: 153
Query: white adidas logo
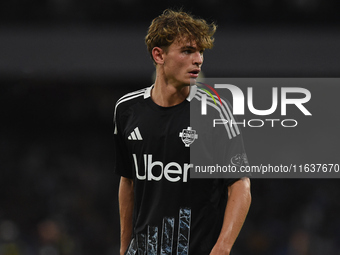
x: 135, y: 135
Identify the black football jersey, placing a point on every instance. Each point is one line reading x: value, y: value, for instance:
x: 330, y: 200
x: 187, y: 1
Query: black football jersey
x: 173, y: 213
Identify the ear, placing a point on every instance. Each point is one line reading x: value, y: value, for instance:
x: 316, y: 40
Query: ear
x: 158, y: 55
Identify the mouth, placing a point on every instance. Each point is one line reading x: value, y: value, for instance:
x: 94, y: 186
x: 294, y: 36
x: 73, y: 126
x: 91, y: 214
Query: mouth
x: 194, y: 73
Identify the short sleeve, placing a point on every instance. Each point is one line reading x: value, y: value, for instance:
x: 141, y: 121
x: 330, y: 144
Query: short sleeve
x: 231, y: 151
x: 122, y: 163
x: 237, y: 157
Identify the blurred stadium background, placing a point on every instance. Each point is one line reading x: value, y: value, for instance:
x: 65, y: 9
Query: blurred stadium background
x: 64, y: 63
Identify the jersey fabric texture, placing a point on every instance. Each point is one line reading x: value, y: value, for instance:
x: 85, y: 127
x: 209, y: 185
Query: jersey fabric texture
x: 173, y: 213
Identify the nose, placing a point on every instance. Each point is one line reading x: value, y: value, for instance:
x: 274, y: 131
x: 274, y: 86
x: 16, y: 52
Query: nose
x: 198, y: 58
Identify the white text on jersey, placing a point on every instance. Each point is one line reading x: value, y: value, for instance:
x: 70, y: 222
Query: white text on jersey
x: 171, y: 171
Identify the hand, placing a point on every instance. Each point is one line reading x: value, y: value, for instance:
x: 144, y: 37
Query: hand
x: 219, y: 250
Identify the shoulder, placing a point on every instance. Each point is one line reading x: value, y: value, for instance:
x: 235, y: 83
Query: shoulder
x: 127, y: 101
x: 213, y: 101
x: 131, y: 98
x: 218, y: 110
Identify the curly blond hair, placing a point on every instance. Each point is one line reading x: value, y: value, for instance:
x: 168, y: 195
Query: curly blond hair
x: 178, y: 25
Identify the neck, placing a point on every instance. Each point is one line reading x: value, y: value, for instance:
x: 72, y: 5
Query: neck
x: 166, y: 95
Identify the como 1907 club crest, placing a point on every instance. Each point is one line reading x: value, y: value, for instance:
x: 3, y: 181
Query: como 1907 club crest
x: 188, y: 136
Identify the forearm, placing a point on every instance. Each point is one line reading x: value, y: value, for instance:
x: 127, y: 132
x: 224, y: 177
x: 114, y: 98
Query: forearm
x: 239, y: 199
x: 126, y: 198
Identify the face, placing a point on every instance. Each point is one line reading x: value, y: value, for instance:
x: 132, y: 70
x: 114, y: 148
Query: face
x: 182, y: 62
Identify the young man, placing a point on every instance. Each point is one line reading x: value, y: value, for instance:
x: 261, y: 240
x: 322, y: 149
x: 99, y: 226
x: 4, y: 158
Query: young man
x: 162, y: 210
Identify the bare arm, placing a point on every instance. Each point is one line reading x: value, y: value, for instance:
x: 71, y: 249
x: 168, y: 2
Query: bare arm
x: 239, y: 199
x: 126, y: 198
